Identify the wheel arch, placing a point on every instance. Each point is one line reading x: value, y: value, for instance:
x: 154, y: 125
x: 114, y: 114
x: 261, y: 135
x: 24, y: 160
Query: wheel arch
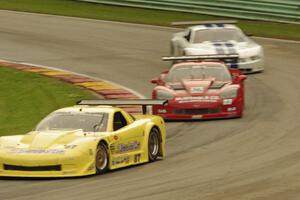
x: 106, y: 144
x: 149, y: 127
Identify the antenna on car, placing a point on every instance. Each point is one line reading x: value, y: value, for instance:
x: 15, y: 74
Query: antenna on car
x: 115, y: 102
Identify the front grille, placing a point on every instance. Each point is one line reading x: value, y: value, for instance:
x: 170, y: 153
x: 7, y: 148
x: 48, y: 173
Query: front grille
x: 201, y: 111
x: 246, y: 70
x: 35, y: 168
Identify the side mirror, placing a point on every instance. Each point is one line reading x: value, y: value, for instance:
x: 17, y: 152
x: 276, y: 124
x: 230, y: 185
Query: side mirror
x: 165, y: 72
x: 240, y: 78
x: 154, y: 81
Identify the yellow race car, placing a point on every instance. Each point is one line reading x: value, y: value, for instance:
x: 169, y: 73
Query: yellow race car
x: 90, y: 138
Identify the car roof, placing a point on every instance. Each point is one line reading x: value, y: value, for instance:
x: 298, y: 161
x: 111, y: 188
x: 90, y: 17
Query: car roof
x: 213, y: 26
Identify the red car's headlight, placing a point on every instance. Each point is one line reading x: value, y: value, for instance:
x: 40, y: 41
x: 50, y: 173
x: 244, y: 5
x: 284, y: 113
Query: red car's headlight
x: 229, y: 93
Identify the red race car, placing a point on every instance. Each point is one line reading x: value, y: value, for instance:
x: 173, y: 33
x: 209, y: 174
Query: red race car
x: 200, y: 87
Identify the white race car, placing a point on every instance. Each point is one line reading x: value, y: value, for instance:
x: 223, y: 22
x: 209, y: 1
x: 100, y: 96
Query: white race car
x: 219, y: 37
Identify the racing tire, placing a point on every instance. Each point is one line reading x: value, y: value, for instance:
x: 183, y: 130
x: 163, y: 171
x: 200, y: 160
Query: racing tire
x: 153, y: 145
x: 102, y: 159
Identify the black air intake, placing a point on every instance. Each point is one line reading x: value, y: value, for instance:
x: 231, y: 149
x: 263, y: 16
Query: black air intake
x: 35, y: 168
x: 197, y: 111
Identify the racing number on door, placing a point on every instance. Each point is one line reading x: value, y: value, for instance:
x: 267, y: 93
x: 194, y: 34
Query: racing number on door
x: 129, y: 141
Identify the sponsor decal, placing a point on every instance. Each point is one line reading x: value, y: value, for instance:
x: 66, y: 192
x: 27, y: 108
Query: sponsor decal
x: 231, y: 109
x: 209, y: 99
x: 37, y: 151
x: 131, y: 146
x: 123, y: 148
x: 120, y: 160
x: 227, y: 101
x: 70, y: 146
x: 162, y: 111
x: 197, y: 90
x: 197, y: 117
x: 91, y: 167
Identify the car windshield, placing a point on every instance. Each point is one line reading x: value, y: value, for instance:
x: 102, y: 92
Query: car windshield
x: 88, y: 122
x: 218, y: 35
x: 202, y: 72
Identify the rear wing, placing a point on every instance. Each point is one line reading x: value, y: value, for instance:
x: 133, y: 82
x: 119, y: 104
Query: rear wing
x: 115, y: 102
x: 204, y: 22
x: 226, y: 58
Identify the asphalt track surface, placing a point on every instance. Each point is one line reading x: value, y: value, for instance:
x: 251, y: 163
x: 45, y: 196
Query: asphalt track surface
x: 256, y: 157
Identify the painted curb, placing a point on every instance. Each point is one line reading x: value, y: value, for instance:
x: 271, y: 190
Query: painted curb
x: 106, y: 89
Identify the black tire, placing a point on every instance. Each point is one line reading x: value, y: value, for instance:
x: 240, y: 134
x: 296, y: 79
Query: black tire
x: 153, y: 145
x: 102, y: 159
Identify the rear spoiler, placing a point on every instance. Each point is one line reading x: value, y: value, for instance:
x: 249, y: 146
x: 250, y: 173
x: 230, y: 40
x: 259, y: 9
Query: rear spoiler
x: 227, y: 58
x: 204, y: 22
x: 115, y: 102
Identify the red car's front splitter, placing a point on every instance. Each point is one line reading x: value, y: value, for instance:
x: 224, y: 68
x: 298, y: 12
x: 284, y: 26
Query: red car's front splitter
x: 199, y: 117
x: 184, y: 112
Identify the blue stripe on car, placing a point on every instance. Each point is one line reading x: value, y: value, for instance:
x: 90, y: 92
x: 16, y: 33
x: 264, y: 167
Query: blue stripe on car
x: 230, y: 48
x: 208, y: 25
x: 219, y: 48
x: 233, y: 65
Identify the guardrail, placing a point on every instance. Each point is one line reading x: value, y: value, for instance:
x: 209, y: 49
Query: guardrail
x: 287, y: 11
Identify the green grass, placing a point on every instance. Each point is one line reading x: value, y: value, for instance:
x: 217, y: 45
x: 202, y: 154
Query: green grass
x: 143, y: 16
x: 26, y: 98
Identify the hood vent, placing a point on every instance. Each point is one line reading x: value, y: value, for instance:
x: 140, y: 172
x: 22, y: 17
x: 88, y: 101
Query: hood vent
x: 177, y: 87
x: 217, y: 85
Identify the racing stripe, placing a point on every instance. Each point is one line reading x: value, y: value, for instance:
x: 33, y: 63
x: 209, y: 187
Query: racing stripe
x: 219, y: 48
x: 230, y: 48
x: 208, y: 25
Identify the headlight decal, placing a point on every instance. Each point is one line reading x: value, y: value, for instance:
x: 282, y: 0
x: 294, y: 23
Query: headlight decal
x: 248, y: 59
x: 256, y: 57
x: 229, y: 93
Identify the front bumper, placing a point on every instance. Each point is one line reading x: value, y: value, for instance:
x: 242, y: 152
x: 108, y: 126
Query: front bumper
x: 45, y: 166
x: 251, y: 66
x: 194, y: 111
